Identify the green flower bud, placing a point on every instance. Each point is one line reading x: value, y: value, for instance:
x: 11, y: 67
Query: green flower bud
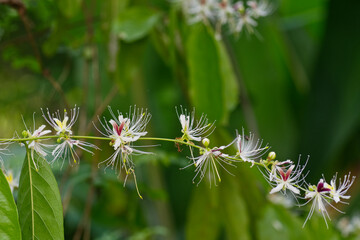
x: 272, y: 155
x: 206, y: 142
x: 25, y: 133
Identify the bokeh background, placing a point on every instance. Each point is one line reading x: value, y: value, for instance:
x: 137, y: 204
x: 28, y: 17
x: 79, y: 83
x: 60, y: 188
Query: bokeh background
x: 294, y: 84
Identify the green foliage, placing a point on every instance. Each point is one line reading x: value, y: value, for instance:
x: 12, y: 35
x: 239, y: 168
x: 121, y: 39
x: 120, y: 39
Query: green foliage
x: 9, y: 220
x: 135, y: 23
x: 213, y: 86
x: 39, y: 202
x: 203, y: 221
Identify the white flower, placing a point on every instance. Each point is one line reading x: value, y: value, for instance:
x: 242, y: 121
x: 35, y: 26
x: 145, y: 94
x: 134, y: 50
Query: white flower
x: 259, y: 9
x: 62, y: 126
x: 338, y: 193
x: 274, y: 166
x: 199, y: 10
x: 11, y: 176
x: 282, y: 178
x: 323, y: 193
x: 65, y: 148
x: 12, y: 180
x: 224, y: 12
x: 192, y: 131
x: 287, y: 180
x: 245, y: 20
x: 206, y: 163
x: 248, y: 149
x: 36, y: 145
x: 123, y: 131
x: 318, y: 194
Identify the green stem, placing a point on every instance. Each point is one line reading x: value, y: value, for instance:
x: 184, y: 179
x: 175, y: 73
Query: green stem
x: 26, y: 139
x: 172, y: 140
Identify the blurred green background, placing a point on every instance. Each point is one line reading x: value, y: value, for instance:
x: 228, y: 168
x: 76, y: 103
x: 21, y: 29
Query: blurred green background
x: 296, y: 85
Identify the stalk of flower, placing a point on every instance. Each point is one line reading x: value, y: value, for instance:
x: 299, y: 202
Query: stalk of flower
x: 206, y: 163
x: 123, y: 131
x: 65, y: 148
x: 36, y: 145
x: 249, y: 150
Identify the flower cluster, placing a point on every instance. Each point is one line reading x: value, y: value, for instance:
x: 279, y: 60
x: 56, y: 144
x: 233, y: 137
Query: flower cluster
x: 238, y: 15
x: 323, y: 193
x: 123, y: 131
x: 66, y: 144
x: 206, y: 164
x: 283, y: 176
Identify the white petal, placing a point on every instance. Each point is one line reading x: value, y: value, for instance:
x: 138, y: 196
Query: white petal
x: 292, y: 188
x: 44, y: 133
x: 277, y: 188
x: 310, y: 194
x: 183, y: 121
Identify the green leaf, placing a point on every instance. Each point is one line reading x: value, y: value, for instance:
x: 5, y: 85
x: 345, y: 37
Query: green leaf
x: 39, y: 202
x: 206, y: 88
x: 229, y: 81
x: 203, y: 221
x: 135, y: 23
x: 235, y: 214
x: 9, y: 221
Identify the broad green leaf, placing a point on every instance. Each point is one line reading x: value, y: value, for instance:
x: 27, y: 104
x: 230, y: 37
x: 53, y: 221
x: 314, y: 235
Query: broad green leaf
x: 9, y: 220
x: 234, y: 209
x: 230, y: 85
x: 39, y: 202
x: 135, y: 23
x: 206, y: 88
x: 203, y: 221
